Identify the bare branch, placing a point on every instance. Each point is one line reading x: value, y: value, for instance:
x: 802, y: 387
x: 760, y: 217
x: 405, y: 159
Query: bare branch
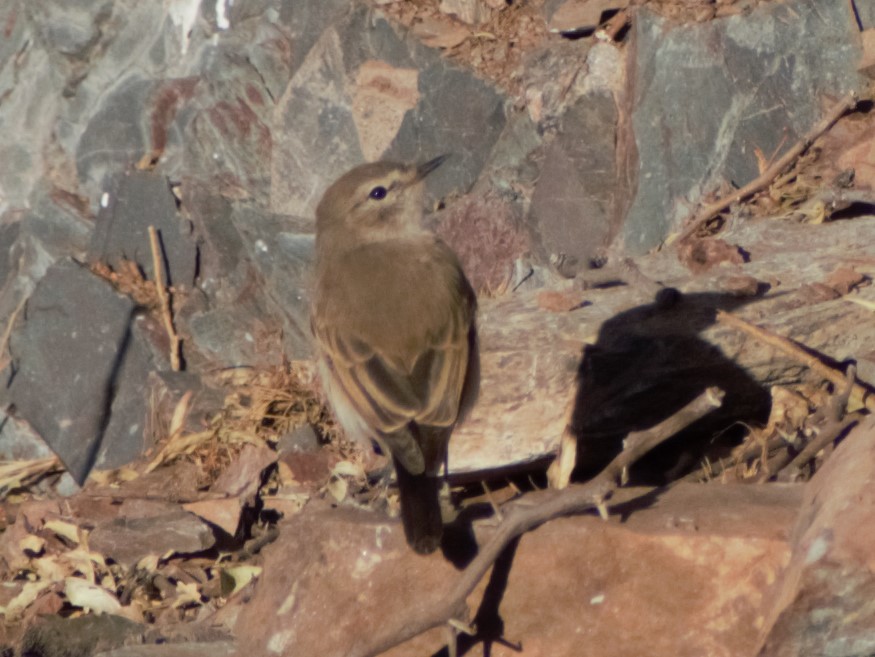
x: 849, y: 102
x: 859, y: 393
x: 529, y: 512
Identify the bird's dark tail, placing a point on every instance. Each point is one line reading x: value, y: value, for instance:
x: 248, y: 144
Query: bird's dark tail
x: 420, y: 509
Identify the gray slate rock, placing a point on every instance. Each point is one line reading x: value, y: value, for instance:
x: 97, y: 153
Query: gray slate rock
x: 574, y: 201
x: 254, y: 273
x: 72, y: 355
x: 78, y: 637
x: 114, y: 137
x: 283, y: 255
x: 127, y: 540
x: 18, y: 440
x: 70, y: 27
x: 317, y: 138
x: 136, y: 201
x: 230, y: 319
x: 707, y: 94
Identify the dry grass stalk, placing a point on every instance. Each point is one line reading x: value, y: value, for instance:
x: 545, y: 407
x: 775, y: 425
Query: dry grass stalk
x: 20, y: 474
x: 261, y: 407
x: 847, y: 103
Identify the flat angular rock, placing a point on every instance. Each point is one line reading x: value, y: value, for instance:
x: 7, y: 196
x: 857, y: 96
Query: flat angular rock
x: 354, y: 563
x: 282, y: 252
x: 574, y: 202
x: 70, y: 352
x: 823, y: 601
x: 135, y: 201
x: 254, y: 276
x: 576, y: 586
x: 159, y: 530
x: 18, y: 440
x: 488, y: 234
x: 685, y: 577
x: 71, y: 27
x: 708, y: 95
x: 112, y: 141
x: 321, y: 135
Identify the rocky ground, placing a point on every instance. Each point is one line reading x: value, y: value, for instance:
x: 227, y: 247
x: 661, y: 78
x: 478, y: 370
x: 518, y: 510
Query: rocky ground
x: 653, y: 198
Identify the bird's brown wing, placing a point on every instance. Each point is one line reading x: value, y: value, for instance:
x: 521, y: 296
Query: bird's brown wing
x: 388, y: 393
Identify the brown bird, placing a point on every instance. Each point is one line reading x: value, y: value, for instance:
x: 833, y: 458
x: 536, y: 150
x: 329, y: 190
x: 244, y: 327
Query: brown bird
x: 393, y: 319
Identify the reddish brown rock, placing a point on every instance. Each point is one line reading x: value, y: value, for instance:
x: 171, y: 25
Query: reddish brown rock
x: 488, y: 235
x: 823, y: 605
x: 685, y: 576
x: 702, y: 254
x: 147, y: 527
x: 330, y: 576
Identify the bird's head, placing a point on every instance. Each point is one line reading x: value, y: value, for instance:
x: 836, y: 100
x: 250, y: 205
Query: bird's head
x: 375, y: 201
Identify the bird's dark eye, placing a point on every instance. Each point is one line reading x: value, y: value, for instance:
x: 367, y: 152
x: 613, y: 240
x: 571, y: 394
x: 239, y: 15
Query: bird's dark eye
x: 378, y: 193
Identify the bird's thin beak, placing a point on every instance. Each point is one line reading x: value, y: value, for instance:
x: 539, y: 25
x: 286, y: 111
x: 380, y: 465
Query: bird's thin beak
x: 427, y: 167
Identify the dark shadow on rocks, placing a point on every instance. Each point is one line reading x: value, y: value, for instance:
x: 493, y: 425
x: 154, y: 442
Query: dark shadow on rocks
x: 459, y: 544
x: 488, y: 621
x: 648, y: 363
x: 107, y: 398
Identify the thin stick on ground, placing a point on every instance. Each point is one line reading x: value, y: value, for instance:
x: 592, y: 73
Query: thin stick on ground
x: 164, y: 298
x: 848, y: 103
x: 527, y: 513
x: 836, y: 424
x: 859, y: 393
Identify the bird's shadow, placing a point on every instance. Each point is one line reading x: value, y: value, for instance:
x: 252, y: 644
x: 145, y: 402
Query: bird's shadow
x: 647, y: 363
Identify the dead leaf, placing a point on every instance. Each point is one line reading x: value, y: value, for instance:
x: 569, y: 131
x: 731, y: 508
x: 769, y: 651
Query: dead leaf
x: 437, y: 33
x: 28, y: 594
x: 349, y: 469
x: 236, y: 577
x: 338, y: 487
x: 49, y: 569
x: 89, y: 596
x: 180, y: 412
x: 242, y: 478
x: 32, y: 545
x: 740, y: 285
x: 187, y: 594
x: 817, y: 293
x: 789, y: 410
x: 224, y: 512
x: 64, y: 529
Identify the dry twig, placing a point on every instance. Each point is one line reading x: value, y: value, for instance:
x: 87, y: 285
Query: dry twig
x: 531, y: 511
x: 836, y: 425
x: 163, y: 295
x: 614, y: 26
x: 849, y: 102
x: 859, y: 393
x: 18, y: 474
